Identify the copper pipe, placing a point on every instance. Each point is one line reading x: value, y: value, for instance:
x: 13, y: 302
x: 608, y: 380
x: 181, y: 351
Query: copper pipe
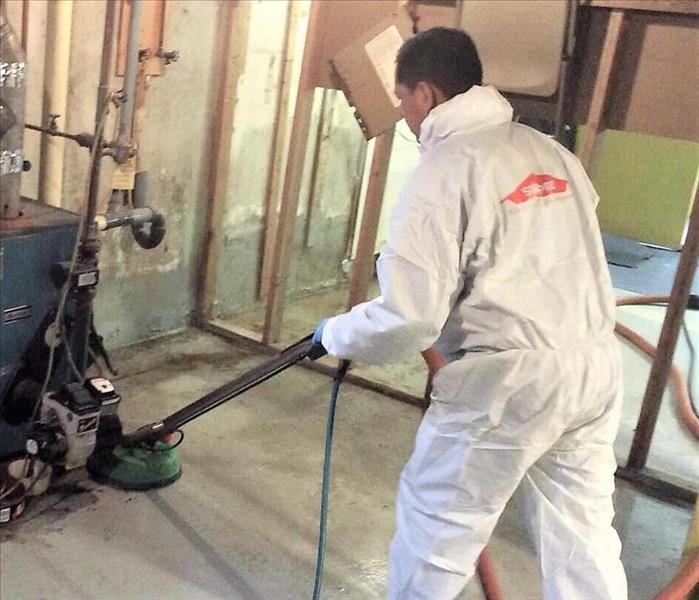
x: 24, y: 35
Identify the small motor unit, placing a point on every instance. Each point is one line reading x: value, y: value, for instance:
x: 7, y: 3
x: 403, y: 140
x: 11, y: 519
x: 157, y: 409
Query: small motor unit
x: 74, y: 413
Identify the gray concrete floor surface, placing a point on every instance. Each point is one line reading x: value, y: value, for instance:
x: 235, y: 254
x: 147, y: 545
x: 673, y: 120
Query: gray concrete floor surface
x: 674, y: 451
x: 241, y: 523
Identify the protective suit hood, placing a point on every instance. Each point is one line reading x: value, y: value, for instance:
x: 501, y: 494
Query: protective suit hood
x: 493, y: 243
x: 478, y: 107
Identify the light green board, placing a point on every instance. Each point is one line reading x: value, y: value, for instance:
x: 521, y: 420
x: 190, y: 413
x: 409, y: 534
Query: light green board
x: 646, y: 185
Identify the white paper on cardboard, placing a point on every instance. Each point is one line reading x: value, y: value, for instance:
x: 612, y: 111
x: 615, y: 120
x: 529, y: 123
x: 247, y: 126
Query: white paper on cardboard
x: 382, y: 51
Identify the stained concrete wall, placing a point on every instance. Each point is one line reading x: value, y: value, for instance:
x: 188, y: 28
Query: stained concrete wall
x: 142, y: 293
x: 321, y: 232
x: 152, y: 292
x: 251, y: 148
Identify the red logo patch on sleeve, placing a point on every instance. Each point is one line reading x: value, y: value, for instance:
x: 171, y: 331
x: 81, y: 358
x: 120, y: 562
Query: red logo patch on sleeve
x: 536, y: 186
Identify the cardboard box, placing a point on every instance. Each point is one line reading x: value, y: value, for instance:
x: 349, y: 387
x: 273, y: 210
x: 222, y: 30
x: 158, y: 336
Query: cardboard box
x: 365, y: 70
x: 337, y: 25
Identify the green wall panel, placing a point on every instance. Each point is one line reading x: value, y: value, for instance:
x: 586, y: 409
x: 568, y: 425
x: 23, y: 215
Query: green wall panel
x: 646, y: 185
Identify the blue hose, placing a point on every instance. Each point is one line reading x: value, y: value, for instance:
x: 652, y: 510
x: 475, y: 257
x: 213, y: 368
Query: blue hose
x: 325, y: 494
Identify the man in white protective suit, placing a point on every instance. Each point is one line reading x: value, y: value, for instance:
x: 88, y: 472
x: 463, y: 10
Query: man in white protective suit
x: 494, y: 269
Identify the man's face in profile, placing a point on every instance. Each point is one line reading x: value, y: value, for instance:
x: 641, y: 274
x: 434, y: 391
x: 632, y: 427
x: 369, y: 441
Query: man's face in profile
x: 416, y: 103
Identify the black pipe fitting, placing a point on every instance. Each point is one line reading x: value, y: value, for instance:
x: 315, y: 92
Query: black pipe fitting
x: 149, y: 235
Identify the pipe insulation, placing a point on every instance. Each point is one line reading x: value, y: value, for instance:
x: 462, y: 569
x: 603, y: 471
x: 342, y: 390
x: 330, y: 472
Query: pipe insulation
x: 58, y: 34
x: 135, y: 217
x: 12, y: 103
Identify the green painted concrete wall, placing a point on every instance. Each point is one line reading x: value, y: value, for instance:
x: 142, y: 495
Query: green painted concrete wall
x: 320, y: 234
x: 646, y: 185
x: 142, y: 293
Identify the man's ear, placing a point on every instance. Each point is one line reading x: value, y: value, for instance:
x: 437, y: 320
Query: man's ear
x: 425, y: 95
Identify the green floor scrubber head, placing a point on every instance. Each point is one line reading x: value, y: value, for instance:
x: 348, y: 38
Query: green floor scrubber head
x: 147, y: 458
x: 139, y: 467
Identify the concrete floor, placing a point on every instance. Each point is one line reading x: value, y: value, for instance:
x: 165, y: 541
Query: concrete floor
x: 303, y: 313
x: 241, y: 523
x: 674, y: 452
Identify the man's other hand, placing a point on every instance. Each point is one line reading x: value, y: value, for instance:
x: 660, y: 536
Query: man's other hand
x: 434, y: 359
x: 317, y: 349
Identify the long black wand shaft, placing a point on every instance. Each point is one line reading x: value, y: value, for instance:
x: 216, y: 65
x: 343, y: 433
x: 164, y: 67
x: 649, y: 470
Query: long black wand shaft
x: 255, y: 376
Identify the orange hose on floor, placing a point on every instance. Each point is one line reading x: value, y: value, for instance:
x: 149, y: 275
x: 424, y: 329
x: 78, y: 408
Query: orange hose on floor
x: 486, y: 574
x: 682, y: 585
x: 688, y: 577
x: 684, y: 404
x: 641, y: 300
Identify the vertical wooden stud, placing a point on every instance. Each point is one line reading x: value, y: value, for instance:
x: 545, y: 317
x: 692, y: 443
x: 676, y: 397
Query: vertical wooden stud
x: 660, y: 371
x: 356, y: 197
x: 363, y: 266
x: 599, y: 94
x: 292, y: 184
x: 277, y: 154
x: 327, y: 105
x: 233, y: 33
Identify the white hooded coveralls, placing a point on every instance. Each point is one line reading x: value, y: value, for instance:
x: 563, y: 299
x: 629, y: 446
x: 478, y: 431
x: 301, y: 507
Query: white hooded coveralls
x: 494, y: 255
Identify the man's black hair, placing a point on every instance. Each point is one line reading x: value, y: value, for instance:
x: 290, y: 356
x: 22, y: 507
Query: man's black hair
x: 444, y: 57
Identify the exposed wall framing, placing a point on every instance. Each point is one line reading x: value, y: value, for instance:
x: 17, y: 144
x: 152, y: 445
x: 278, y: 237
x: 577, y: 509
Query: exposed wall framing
x: 363, y: 267
x: 686, y: 268
x: 292, y: 184
x: 233, y: 36
x: 599, y: 94
x: 280, y: 127
x: 281, y: 214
